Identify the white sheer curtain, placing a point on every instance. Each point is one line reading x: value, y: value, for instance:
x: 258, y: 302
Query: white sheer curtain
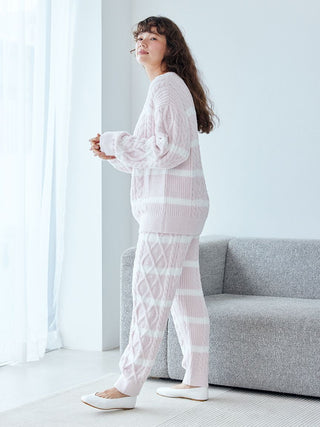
x: 36, y: 44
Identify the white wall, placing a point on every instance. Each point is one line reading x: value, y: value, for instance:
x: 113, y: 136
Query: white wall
x: 117, y: 219
x: 98, y: 214
x: 80, y: 310
x: 260, y: 63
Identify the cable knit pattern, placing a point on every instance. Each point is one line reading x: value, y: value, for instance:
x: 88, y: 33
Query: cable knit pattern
x: 168, y: 190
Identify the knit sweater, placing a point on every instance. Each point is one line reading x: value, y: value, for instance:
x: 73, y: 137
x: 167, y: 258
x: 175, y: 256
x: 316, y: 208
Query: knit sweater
x: 168, y: 191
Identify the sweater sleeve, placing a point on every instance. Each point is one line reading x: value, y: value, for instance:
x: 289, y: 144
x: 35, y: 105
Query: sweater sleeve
x: 168, y: 147
x: 118, y: 165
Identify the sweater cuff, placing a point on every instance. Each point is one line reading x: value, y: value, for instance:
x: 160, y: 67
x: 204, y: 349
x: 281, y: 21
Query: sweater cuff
x: 107, y: 143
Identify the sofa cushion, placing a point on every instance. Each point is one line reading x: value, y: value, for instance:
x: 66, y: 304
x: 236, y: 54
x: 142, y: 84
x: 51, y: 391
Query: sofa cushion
x: 273, y: 267
x: 259, y: 342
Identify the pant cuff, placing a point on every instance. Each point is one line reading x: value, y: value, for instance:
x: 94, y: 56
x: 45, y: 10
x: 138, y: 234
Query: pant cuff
x: 196, y: 380
x: 125, y: 387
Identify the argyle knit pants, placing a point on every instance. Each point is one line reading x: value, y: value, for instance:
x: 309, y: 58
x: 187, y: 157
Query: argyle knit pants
x: 166, y: 278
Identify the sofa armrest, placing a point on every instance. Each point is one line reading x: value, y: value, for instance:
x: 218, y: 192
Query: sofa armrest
x: 126, y: 270
x: 212, y: 258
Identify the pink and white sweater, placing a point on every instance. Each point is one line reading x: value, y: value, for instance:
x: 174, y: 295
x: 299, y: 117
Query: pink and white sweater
x: 168, y: 190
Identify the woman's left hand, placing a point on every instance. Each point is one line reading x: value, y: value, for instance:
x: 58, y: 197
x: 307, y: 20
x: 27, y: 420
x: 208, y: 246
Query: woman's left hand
x: 95, y: 147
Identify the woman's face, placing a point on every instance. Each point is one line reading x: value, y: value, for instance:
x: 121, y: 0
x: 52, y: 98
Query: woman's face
x: 150, y: 48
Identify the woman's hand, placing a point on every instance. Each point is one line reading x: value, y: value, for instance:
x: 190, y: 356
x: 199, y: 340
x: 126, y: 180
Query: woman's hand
x: 95, y: 147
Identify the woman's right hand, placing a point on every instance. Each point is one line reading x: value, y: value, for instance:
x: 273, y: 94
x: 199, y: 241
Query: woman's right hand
x: 95, y: 147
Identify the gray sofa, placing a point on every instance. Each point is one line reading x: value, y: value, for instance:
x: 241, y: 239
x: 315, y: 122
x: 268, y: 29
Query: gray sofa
x: 263, y: 298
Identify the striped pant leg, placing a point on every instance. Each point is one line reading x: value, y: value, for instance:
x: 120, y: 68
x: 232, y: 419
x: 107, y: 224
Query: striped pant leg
x: 157, y: 273
x: 190, y: 316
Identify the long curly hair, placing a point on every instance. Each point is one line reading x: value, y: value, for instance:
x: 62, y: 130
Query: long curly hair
x: 179, y: 59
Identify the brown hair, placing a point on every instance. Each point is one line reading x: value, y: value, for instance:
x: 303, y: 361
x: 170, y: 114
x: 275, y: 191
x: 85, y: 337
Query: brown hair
x: 180, y: 60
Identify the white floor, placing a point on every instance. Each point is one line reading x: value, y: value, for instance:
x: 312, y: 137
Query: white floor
x: 57, y: 371
x: 65, y: 369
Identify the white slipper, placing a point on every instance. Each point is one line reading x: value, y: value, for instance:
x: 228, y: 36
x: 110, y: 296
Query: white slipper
x: 98, y: 402
x: 194, y: 393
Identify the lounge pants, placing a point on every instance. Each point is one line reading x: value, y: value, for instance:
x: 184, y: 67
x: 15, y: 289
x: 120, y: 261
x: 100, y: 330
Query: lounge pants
x: 166, y: 278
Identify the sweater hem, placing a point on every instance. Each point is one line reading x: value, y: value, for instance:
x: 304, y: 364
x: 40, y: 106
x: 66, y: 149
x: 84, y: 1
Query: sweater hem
x: 171, y: 225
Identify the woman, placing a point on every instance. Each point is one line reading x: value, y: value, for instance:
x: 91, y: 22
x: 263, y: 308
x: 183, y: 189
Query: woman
x: 170, y: 202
